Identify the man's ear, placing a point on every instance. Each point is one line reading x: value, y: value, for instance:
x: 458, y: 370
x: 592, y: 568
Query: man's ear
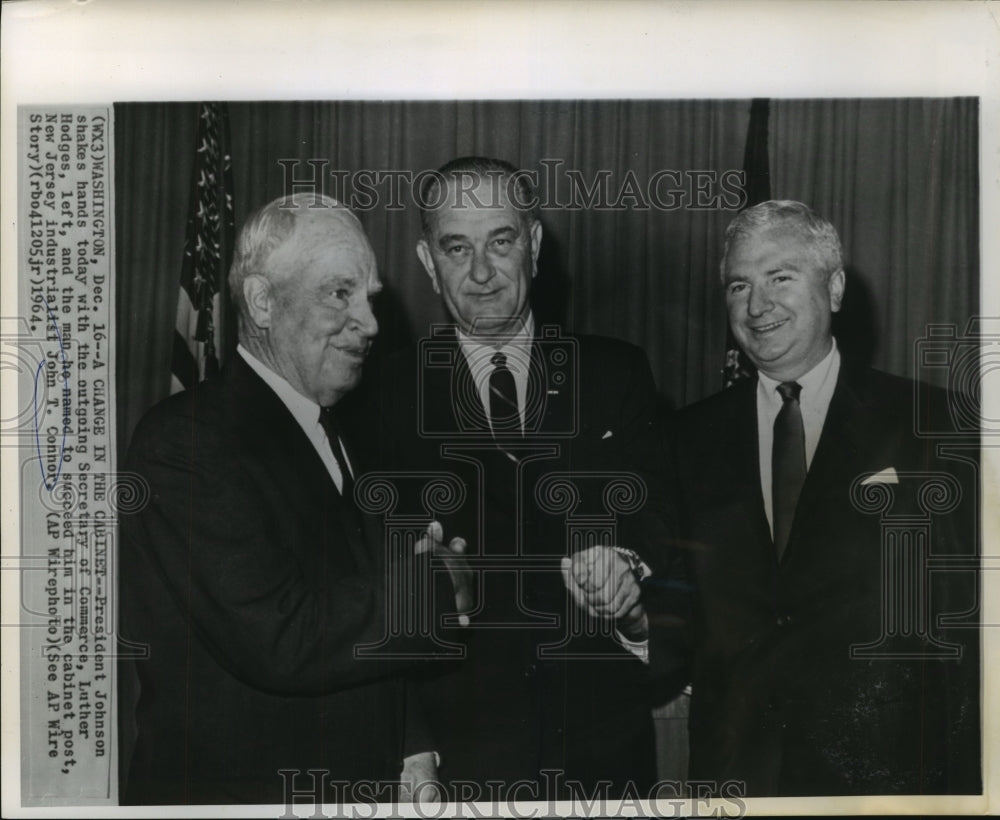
x: 536, y: 245
x: 257, y: 295
x: 424, y: 254
x: 836, y: 285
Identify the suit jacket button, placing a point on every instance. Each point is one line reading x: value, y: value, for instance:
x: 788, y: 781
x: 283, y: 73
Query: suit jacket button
x: 782, y: 620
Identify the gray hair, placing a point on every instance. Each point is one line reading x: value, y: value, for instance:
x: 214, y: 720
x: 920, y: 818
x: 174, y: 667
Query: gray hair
x: 265, y: 230
x: 520, y: 189
x: 821, y: 235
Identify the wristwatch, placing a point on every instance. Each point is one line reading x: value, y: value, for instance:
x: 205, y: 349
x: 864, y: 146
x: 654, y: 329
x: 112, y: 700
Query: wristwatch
x: 637, y: 566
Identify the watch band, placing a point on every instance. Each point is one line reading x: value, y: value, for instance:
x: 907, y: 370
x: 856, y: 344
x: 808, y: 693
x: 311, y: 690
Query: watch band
x: 638, y: 567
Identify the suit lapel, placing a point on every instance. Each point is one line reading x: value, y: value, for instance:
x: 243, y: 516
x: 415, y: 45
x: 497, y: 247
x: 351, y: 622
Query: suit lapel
x: 364, y: 531
x: 466, y: 409
x: 269, y: 426
x: 744, y: 444
x: 450, y: 402
x: 549, y: 405
x: 843, y: 440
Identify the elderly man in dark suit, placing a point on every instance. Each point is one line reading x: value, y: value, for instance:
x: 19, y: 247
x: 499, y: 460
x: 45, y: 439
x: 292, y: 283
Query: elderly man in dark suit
x: 252, y: 577
x: 552, y: 438
x: 831, y: 549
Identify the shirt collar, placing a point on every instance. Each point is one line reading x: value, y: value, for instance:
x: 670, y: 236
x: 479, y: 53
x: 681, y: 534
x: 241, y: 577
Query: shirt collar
x: 305, y: 410
x: 517, y: 349
x: 811, y: 382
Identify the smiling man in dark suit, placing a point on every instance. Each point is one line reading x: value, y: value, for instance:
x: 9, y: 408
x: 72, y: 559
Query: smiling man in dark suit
x: 830, y: 656
x: 251, y: 576
x: 553, y: 438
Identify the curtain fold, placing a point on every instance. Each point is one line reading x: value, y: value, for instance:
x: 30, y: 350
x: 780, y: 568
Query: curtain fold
x: 897, y: 178
x: 154, y: 156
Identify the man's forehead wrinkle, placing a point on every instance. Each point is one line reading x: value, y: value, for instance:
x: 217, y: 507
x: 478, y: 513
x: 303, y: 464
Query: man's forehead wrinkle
x: 317, y: 236
x: 514, y: 227
x: 340, y: 213
x: 318, y: 254
x: 330, y: 222
x: 335, y: 229
x: 485, y: 193
x: 341, y: 277
x: 331, y: 255
x: 784, y: 242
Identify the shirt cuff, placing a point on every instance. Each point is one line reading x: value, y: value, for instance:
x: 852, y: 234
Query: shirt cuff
x: 437, y: 757
x: 638, y: 648
x: 641, y: 571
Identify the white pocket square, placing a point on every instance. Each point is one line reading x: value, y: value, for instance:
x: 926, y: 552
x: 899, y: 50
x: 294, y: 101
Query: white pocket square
x: 607, y: 434
x: 886, y: 476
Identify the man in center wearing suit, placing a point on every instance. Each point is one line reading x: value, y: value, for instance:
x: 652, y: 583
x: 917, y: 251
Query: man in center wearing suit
x: 542, y: 429
x: 829, y: 657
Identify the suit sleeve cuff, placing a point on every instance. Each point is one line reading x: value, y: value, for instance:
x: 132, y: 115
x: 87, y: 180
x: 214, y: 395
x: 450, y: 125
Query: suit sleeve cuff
x: 638, y: 648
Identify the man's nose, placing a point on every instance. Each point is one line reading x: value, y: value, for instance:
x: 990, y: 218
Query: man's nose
x: 759, y: 302
x: 364, y: 319
x: 482, y: 271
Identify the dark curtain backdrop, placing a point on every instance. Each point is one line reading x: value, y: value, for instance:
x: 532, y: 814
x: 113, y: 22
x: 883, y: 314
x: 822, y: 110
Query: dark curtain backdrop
x: 897, y: 177
x: 900, y: 180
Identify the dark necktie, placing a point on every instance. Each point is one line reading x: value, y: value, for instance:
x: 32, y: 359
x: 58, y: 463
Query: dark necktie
x: 328, y: 418
x: 504, y: 414
x: 788, y: 463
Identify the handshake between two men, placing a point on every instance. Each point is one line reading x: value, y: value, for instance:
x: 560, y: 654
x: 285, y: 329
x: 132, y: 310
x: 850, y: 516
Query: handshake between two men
x: 254, y: 591
x: 603, y: 582
x: 600, y: 580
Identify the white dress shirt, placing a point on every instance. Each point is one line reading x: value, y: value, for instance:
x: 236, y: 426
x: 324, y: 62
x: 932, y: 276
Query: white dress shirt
x: 814, y: 400
x: 517, y: 349
x: 306, y: 413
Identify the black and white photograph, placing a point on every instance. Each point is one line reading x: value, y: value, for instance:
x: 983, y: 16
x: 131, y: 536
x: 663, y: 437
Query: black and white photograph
x: 379, y: 446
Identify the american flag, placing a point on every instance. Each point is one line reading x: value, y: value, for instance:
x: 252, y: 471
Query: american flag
x: 208, y: 246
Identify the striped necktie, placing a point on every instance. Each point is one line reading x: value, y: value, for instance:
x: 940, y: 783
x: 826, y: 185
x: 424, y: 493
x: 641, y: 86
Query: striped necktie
x: 505, y: 417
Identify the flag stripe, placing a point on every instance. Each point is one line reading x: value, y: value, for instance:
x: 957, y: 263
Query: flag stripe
x: 207, y: 250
